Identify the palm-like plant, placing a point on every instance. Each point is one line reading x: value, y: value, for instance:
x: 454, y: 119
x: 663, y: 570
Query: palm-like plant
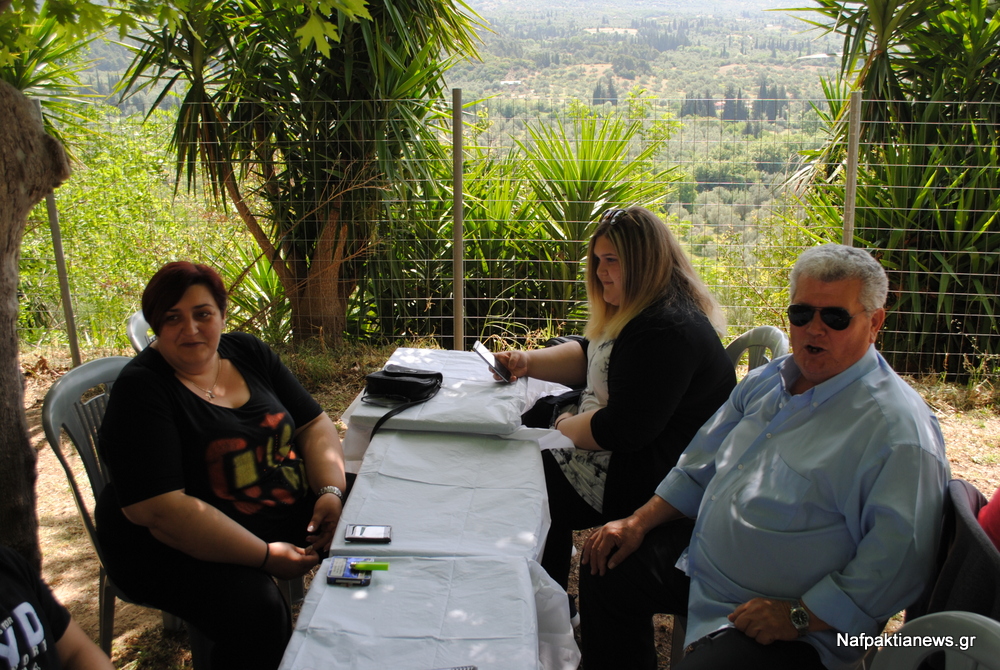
x: 577, y: 171
x: 47, y: 69
x: 312, y: 140
x: 927, y: 202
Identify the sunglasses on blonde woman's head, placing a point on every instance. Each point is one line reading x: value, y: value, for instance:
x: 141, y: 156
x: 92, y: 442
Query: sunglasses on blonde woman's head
x: 837, y: 318
x: 612, y: 216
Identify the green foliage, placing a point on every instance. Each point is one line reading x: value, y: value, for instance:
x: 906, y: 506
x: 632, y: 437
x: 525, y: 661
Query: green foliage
x: 316, y: 136
x: 119, y: 224
x: 755, y: 260
x: 926, y: 193
x: 47, y: 69
x: 257, y: 302
x: 577, y: 171
x: 78, y: 19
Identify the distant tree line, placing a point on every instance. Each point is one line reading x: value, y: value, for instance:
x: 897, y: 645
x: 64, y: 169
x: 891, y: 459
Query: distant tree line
x: 770, y: 105
x: 605, y: 92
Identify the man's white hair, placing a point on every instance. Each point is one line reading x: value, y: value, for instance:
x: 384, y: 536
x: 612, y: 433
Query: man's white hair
x: 836, y: 262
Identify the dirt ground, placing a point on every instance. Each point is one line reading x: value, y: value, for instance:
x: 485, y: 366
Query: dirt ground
x: 968, y: 418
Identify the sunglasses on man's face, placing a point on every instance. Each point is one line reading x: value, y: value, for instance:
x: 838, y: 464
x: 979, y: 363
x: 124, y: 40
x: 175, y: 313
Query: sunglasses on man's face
x: 837, y: 318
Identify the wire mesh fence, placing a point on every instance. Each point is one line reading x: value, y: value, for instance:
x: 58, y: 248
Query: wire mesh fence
x: 745, y: 185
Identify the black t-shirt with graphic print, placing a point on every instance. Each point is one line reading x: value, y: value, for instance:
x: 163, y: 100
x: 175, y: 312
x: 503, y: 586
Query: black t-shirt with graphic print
x: 31, y: 620
x: 157, y: 436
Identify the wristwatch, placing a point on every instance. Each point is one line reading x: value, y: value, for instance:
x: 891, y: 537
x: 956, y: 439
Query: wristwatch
x: 335, y: 491
x: 800, y: 618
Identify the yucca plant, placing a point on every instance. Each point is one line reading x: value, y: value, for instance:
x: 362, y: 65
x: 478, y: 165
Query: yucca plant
x: 506, y: 247
x: 927, y: 198
x: 319, y: 135
x: 257, y: 302
x: 48, y: 69
x: 579, y: 169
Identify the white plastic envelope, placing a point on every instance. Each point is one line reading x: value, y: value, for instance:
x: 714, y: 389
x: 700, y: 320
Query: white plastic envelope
x: 450, y: 494
x: 469, y: 401
x: 496, y: 613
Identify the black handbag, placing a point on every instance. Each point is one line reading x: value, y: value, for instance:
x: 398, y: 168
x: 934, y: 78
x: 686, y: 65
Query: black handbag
x: 545, y: 410
x: 396, y: 384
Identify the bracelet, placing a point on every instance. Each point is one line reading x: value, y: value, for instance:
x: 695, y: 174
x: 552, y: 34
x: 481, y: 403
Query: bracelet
x: 267, y: 555
x: 558, y: 421
x: 331, y: 489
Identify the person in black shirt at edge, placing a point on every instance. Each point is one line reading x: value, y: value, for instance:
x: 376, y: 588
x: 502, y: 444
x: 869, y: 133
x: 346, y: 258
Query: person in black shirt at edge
x: 655, y: 370
x: 36, y: 631
x: 224, y: 472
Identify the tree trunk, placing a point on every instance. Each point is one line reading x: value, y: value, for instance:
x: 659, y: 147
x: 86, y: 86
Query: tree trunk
x: 31, y: 165
x: 319, y: 308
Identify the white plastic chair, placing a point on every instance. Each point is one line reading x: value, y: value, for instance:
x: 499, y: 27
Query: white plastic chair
x: 757, y: 342
x: 76, y: 404
x: 979, y: 635
x: 66, y: 410
x: 139, y: 333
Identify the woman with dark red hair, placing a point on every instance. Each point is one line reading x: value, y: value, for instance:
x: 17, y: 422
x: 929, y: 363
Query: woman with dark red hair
x: 224, y: 472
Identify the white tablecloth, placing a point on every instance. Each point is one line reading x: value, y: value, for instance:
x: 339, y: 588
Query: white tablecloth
x: 461, y: 484
x: 428, y: 613
x: 450, y: 494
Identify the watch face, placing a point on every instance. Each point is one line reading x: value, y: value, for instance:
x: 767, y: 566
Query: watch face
x: 800, y: 618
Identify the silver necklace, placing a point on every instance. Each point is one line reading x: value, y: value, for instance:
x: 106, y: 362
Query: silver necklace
x: 208, y: 392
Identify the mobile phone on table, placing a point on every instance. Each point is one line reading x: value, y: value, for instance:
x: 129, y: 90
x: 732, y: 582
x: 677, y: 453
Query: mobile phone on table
x: 496, y: 367
x: 357, y: 532
x: 342, y: 571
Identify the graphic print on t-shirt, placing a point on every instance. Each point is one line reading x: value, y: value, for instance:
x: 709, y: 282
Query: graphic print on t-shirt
x: 252, y: 471
x: 32, y: 641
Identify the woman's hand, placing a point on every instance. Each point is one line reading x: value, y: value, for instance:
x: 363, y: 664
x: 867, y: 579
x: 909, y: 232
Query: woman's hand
x: 202, y: 531
x: 515, y: 361
x: 286, y: 561
x: 320, y: 447
x: 326, y: 514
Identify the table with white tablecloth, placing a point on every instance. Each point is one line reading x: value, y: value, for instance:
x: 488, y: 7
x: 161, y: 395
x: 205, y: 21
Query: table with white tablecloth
x: 460, y: 482
x: 497, y: 613
x: 450, y: 494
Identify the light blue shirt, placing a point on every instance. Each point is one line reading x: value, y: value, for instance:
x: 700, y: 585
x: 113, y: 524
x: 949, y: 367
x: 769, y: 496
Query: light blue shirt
x: 833, y: 496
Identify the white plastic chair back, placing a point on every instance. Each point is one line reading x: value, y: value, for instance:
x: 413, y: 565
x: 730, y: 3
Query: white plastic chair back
x: 139, y: 333
x: 969, y: 641
x: 757, y: 343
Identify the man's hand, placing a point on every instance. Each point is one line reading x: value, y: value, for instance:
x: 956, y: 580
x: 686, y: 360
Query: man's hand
x: 326, y: 514
x: 765, y: 620
x: 611, y: 544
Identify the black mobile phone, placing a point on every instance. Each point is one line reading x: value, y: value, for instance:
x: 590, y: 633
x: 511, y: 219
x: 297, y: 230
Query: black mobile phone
x: 496, y: 366
x: 342, y: 571
x: 358, y: 532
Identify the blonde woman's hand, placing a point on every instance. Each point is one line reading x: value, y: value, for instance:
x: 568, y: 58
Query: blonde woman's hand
x: 515, y: 361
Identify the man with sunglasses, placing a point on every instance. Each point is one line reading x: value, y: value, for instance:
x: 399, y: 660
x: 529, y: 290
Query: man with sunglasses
x: 817, y: 492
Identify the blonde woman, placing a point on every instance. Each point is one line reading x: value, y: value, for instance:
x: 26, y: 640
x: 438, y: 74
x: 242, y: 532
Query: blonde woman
x: 655, y: 370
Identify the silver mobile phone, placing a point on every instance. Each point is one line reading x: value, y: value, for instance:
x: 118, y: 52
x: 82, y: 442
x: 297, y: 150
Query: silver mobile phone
x: 358, y: 532
x: 498, y: 368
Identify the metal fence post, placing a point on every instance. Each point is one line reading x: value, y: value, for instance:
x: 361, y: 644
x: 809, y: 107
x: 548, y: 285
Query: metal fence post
x: 458, y: 232
x: 57, y: 249
x: 851, y: 191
